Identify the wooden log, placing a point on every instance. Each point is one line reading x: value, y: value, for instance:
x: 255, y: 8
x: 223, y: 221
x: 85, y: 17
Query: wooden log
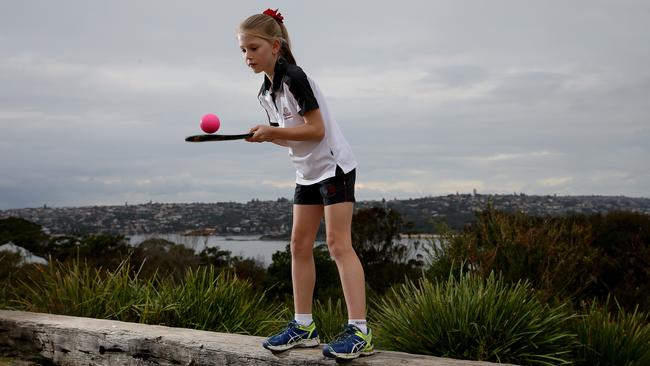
x: 67, y: 340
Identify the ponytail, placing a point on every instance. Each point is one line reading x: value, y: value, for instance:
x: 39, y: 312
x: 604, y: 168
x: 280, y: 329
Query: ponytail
x: 285, y: 51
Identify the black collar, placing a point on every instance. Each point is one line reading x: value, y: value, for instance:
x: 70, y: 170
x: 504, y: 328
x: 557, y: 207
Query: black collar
x: 278, y: 74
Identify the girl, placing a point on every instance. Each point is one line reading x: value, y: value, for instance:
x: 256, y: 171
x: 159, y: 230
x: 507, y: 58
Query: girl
x: 325, y: 174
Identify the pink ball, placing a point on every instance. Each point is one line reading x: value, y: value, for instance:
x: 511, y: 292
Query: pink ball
x: 210, y: 123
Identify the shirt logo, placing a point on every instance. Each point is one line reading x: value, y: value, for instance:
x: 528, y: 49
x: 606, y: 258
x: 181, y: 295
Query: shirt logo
x: 286, y: 113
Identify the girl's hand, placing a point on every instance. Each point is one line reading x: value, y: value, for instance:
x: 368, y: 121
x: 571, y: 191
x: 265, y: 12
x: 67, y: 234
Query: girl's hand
x: 261, y: 133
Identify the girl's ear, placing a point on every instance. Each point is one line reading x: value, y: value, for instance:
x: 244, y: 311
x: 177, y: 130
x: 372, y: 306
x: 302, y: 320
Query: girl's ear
x: 277, y: 45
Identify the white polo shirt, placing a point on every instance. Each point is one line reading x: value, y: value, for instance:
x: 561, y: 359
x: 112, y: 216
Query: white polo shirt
x: 285, y: 101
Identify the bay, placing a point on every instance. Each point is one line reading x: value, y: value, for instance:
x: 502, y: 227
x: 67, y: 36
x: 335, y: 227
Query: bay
x: 247, y: 246
x: 250, y: 246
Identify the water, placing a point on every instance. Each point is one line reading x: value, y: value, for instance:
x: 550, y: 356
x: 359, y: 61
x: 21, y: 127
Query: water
x: 246, y: 246
x: 242, y: 245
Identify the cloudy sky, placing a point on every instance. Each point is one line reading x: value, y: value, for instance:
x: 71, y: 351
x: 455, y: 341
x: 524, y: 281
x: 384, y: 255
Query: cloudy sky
x: 435, y: 97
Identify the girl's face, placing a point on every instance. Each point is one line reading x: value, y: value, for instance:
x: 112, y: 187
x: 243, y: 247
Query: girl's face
x: 258, y: 53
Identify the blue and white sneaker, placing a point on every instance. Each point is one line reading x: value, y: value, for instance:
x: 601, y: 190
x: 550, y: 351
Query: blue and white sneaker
x: 294, y: 335
x: 350, y: 344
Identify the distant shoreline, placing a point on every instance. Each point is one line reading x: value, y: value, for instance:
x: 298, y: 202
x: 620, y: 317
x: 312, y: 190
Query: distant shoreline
x: 419, y: 236
x: 272, y: 220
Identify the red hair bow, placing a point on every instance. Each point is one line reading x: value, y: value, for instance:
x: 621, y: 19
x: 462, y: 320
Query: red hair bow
x: 275, y: 14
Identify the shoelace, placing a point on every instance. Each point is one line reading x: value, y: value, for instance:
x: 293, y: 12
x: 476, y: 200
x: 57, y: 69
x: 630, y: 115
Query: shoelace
x: 289, y: 326
x: 347, y: 333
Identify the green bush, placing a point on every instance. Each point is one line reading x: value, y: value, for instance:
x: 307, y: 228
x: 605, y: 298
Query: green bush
x: 606, y: 339
x: 330, y: 318
x: 205, y: 299
x: 473, y: 318
x: 215, y: 301
x: 78, y: 289
x: 623, y: 267
x: 447, y: 255
x: 23, y: 233
x: 576, y: 257
x: 163, y: 257
x: 9, y: 263
x: 385, y: 259
x: 553, y: 254
x: 250, y: 269
x: 101, y: 250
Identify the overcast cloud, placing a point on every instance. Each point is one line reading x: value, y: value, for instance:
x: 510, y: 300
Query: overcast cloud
x: 435, y: 97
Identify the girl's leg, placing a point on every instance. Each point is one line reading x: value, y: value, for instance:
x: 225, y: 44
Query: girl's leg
x: 338, y: 224
x: 306, y: 219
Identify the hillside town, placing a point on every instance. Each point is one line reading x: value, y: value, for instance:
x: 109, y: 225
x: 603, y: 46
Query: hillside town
x: 272, y: 219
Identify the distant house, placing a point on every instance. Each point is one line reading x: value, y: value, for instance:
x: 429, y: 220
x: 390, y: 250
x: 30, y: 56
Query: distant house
x: 27, y: 256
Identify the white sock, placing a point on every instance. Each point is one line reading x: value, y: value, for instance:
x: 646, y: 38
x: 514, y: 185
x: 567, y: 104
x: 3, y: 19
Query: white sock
x: 359, y: 323
x: 303, y: 319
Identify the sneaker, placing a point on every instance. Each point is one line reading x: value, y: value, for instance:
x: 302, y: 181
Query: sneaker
x: 294, y: 335
x: 350, y: 344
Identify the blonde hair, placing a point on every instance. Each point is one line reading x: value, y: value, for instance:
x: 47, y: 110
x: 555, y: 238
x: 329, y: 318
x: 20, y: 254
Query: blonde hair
x: 266, y: 27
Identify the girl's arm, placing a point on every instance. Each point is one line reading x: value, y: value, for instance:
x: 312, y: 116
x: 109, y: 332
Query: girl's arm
x: 312, y: 129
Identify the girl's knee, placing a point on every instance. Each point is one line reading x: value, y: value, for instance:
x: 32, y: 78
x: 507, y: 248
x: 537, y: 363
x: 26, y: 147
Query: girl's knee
x: 301, y: 248
x: 337, y: 247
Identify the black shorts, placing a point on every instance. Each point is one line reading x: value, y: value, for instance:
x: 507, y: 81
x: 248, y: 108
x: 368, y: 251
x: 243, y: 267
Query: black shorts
x: 339, y: 188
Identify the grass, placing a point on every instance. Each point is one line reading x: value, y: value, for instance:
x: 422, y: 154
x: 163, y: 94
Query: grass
x: 206, y: 299
x: 221, y: 302
x: 471, y: 318
x: 77, y: 289
x: 330, y: 317
x: 618, y: 338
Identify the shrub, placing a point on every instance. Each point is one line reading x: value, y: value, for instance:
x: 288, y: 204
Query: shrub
x: 101, y: 250
x: 23, y: 233
x: 622, y: 338
x: 250, y: 269
x: 9, y: 264
x: 164, y: 257
x: 77, y: 289
x: 221, y: 302
x: 330, y: 317
x: 473, y: 318
x: 623, y: 268
x: 553, y: 254
x: 204, y: 300
x: 577, y: 257
x: 447, y: 255
x: 376, y: 240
